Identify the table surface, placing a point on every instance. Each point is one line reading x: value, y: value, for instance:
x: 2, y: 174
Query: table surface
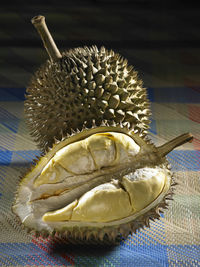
x: 169, y: 66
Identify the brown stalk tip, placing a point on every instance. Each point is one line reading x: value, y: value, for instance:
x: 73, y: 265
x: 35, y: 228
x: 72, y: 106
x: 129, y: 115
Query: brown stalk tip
x: 37, y: 19
x: 178, y: 141
x: 49, y: 44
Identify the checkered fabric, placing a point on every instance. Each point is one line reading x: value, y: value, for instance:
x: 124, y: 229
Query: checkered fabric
x: 171, y: 73
x: 172, y: 241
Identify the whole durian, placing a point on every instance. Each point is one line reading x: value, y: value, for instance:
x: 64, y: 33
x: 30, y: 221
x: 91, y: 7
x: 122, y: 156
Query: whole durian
x: 100, y: 178
x: 79, y: 86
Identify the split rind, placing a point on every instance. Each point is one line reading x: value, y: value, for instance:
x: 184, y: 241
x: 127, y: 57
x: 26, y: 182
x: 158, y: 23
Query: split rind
x: 106, y: 234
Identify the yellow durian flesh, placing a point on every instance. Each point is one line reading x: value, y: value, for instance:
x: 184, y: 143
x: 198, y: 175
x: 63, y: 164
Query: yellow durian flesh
x: 97, y: 205
x: 107, y: 202
x: 145, y: 190
x: 88, y: 155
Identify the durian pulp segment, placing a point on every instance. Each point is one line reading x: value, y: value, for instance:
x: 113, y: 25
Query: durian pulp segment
x: 98, y: 151
x: 109, y: 202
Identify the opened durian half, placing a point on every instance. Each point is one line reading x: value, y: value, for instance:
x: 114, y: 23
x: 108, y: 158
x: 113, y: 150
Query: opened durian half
x: 100, y: 177
x: 99, y: 184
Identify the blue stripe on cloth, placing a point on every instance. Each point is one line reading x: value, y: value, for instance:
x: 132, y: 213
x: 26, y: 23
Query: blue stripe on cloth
x: 9, y: 120
x: 12, y: 125
x: 175, y: 95
x: 24, y: 156
x: 144, y: 255
x: 152, y: 128
x: 5, y: 157
x: 18, y: 157
x: 28, y: 254
x: 12, y: 94
x: 150, y: 93
x: 184, y: 160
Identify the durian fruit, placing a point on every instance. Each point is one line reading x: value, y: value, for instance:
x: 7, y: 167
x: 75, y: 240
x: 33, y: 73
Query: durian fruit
x: 98, y: 185
x: 100, y: 178
x: 74, y: 88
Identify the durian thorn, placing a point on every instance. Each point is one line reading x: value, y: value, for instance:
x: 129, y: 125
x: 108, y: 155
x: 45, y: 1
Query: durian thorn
x: 178, y: 141
x: 49, y: 44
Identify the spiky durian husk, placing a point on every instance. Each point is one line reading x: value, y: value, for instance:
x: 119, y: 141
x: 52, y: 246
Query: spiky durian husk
x: 108, y: 234
x: 85, y: 84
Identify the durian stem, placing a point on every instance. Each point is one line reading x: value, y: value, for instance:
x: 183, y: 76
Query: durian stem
x: 178, y: 141
x: 49, y: 44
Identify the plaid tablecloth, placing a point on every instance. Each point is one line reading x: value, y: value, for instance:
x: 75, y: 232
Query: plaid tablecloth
x: 172, y: 241
x: 172, y: 78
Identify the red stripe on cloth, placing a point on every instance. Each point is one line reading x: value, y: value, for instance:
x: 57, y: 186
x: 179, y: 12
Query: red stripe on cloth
x: 42, y: 247
x: 48, y: 245
x: 196, y: 143
x: 40, y: 259
x: 194, y: 113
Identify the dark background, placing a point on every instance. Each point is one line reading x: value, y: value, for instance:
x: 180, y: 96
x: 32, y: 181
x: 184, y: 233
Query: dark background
x: 152, y: 35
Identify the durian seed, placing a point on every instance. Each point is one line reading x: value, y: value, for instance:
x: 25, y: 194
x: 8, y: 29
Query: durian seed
x: 114, y: 101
